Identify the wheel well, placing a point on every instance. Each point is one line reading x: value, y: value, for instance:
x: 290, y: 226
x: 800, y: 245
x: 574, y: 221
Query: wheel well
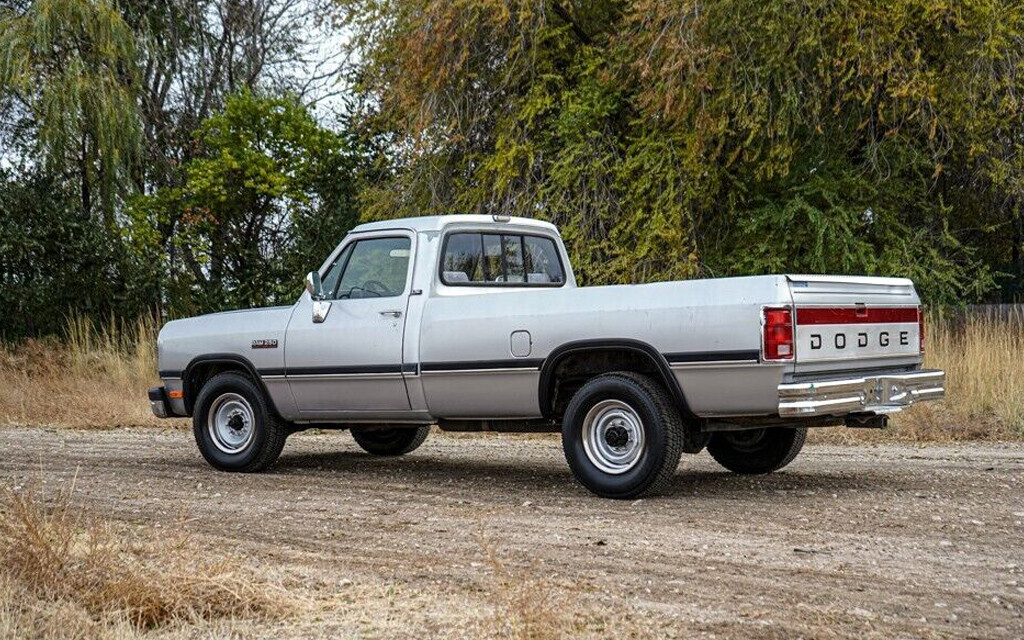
x: 202, y: 370
x: 565, y: 372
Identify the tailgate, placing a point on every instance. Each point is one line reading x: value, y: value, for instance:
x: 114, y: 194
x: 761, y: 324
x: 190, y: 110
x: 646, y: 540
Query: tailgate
x: 850, y: 322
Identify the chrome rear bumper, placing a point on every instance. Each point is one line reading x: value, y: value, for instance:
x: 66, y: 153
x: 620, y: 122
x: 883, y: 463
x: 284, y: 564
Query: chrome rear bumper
x: 884, y: 393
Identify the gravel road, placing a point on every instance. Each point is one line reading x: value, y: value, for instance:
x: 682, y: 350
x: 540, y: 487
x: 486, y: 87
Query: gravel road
x: 849, y: 541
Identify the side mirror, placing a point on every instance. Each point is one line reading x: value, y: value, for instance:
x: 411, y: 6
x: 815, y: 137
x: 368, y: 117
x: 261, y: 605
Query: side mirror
x: 315, y: 288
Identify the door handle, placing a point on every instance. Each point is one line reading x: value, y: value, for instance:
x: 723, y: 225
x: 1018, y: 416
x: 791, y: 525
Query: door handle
x: 393, y: 314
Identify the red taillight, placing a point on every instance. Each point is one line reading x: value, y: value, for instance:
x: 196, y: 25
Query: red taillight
x: 778, y: 334
x: 920, y: 328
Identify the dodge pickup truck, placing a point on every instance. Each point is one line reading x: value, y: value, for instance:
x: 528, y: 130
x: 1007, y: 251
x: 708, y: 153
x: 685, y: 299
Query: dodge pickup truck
x: 473, y: 322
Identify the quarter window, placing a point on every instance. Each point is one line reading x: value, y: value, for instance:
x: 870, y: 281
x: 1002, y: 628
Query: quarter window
x: 501, y: 260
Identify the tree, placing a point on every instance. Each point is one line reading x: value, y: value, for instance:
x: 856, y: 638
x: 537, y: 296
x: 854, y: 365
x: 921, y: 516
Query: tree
x: 267, y: 196
x: 103, y: 100
x: 54, y: 261
x: 693, y: 138
x: 70, y: 63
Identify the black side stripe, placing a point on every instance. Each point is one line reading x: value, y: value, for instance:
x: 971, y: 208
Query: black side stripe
x: 713, y: 356
x: 477, y: 365
x: 320, y: 371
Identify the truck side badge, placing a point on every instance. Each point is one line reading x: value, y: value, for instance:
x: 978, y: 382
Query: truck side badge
x: 265, y: 344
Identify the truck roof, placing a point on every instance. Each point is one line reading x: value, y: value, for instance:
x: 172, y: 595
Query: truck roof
x: 438, y: 223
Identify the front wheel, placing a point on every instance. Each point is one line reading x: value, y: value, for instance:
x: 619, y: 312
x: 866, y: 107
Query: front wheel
x: 391, y: 442
x: 234, y: 425
x: 622, y: 435
x: 756, y: 450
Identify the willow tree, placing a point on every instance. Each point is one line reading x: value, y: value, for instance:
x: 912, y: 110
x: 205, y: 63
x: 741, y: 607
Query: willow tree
x: 687, y: 138
x: 71, y: 65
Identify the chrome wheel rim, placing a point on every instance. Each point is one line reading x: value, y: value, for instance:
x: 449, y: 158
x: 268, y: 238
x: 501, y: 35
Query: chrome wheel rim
x: 231, y: 423
x: 613, y: 436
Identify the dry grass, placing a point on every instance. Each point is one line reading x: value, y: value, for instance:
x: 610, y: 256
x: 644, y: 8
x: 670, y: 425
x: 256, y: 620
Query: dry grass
x: 98, y: 376
x: 65, y: 574
x: 526, y: 607
x: 93, y: 377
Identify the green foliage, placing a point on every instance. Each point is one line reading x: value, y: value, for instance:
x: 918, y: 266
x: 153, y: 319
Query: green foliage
x: 681, y: 139
x: 72, y: 63
x: 268, y: 194
x: 54, y: 263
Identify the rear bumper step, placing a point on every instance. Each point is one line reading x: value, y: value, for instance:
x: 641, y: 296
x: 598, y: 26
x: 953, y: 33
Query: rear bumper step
x: 883, y: 393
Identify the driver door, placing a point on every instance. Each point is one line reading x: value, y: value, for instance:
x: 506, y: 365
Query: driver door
x: 350, y: 365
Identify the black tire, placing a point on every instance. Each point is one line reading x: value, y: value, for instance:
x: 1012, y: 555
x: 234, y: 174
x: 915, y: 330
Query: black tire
x: 268, y: 431
x: 662, y: 430
x: 394, y: 441
x: 758, y: 450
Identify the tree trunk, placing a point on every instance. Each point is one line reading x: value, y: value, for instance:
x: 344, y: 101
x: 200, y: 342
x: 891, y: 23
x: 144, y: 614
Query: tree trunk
x: 1016, y: 259
x: 83, y: 166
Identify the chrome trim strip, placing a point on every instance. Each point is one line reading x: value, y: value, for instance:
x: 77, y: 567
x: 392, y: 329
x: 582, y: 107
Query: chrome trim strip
x: 700, y: 357
x: 714, y: 363
x: 342, y: 376
x: 435, y: 372
x: 882, y: 393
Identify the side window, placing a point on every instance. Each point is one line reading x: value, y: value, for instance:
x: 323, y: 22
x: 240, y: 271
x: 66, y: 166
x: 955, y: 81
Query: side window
x: 542, y: 261
x: 500, y: 259
x: 375, y: 268
x: 463, y: 258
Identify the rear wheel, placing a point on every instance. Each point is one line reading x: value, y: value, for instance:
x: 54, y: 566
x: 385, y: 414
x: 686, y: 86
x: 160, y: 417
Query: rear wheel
x: 391, y: 442
x: 756, y: 450
x: 234, y: 426
x: 622, y: 435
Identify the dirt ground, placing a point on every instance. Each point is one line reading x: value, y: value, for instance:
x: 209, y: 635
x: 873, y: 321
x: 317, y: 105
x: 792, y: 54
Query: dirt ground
x: 474, y: 535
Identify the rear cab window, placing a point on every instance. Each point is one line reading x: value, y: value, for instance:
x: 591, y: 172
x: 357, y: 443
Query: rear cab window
x: 476, y: 258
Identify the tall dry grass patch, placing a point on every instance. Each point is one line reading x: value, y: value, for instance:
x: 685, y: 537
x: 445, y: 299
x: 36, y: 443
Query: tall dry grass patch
x: 983, y: 357
x: 94, y: 376
x: 64, y: 570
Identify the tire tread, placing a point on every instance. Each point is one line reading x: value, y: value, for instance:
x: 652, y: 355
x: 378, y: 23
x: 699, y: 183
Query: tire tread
x: 376, y: 449
x: 276, y: 429
x: 667, y: 413
x: 759, y: 462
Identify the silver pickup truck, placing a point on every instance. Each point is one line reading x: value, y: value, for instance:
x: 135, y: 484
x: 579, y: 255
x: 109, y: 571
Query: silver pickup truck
x: 473, y: 322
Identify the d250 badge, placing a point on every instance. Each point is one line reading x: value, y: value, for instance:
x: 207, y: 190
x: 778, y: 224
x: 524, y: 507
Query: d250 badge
x: 265, y: 344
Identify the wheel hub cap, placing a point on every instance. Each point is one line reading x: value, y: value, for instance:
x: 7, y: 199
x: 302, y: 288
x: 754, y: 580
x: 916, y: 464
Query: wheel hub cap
x: 613, y: 436
x: 230, y: 423
x: 616, y: 436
